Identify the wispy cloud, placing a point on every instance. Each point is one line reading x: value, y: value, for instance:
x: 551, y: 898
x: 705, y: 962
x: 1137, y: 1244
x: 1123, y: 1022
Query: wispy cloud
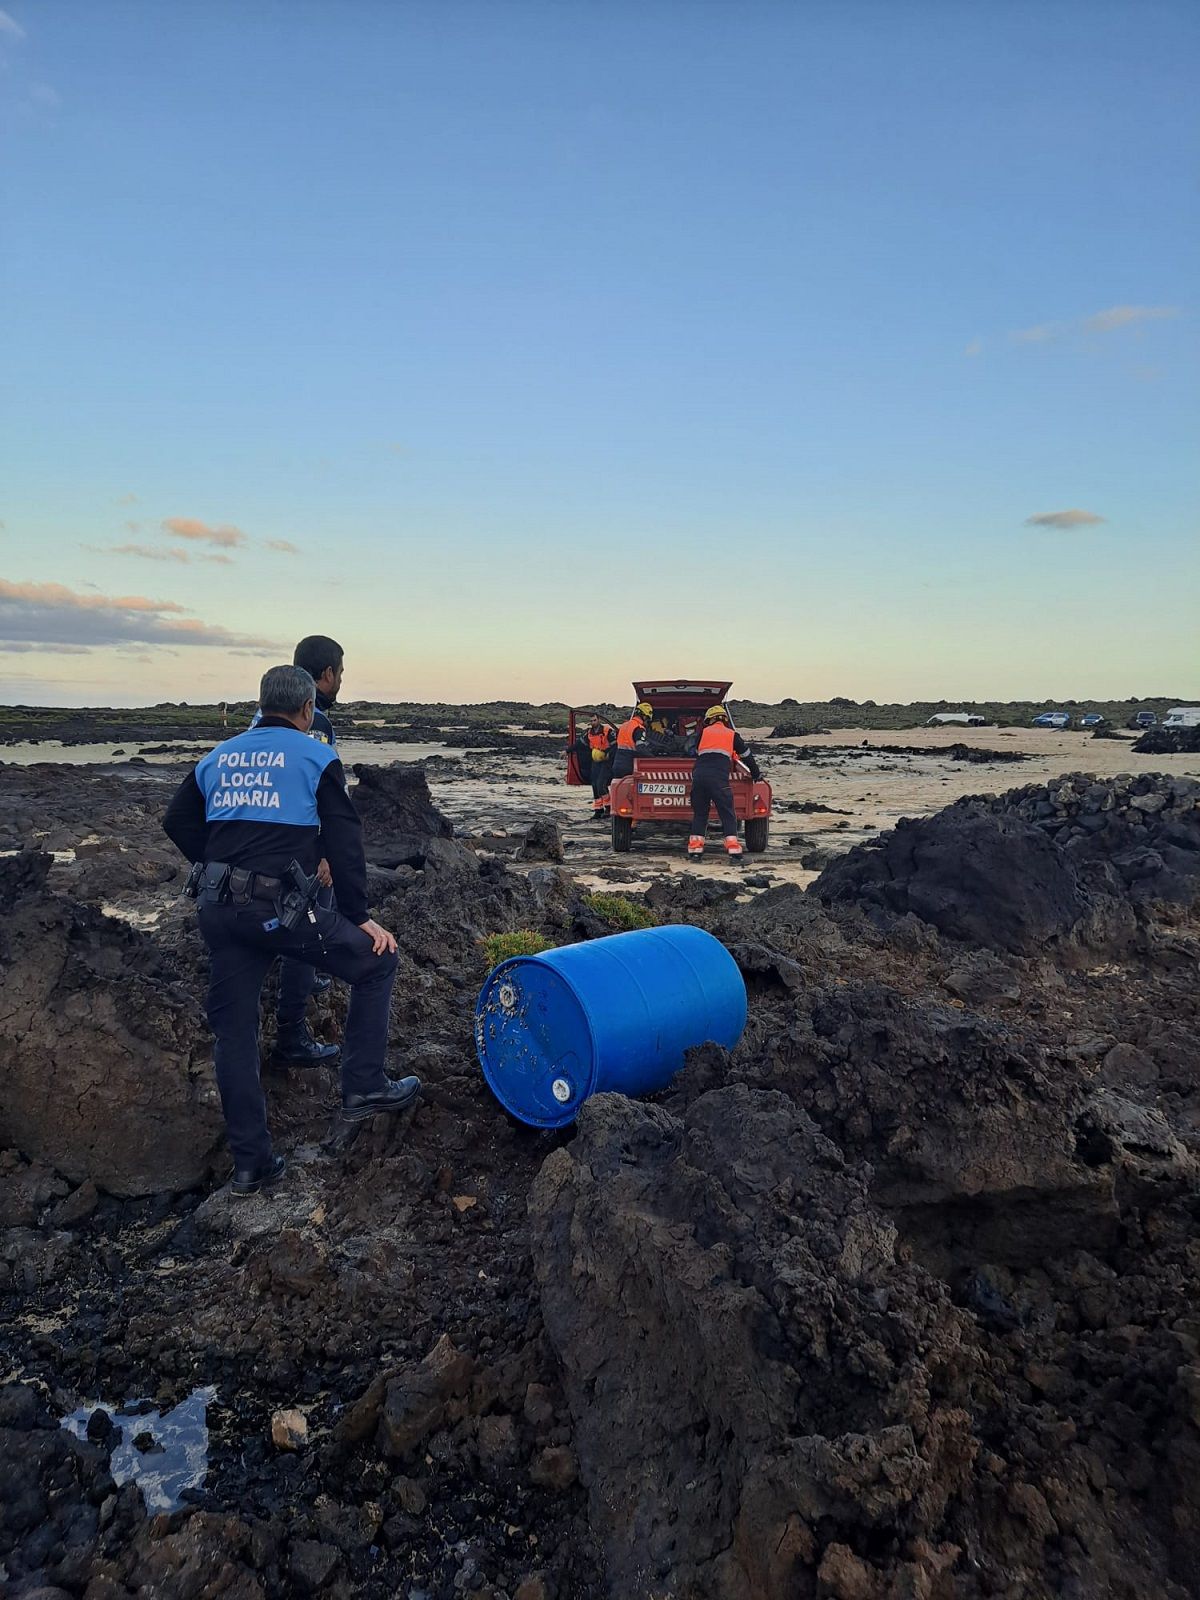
x: 127, y: 500
x: 11, y: 26
x: 1125, y: 316
x: 148, y: 552
x: 45, y: 97
x: 50, y: 614
x: 974, y: 348
x: 1107, y: 321
x: 285, y: 546
x: 1039, y: 333
x: 1074, y: 518
x: 226, y: 537
x: 157, y: 552
x: 27, y: 649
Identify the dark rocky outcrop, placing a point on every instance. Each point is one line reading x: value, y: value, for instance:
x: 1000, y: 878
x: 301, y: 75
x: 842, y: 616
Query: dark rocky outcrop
x: 104, y: 1053
x: 542, y: 842
x: 830, y: 1418
x: 1050, y: 865
x: 993, y: 881
x: 729, y: 1272
x: 401, y: 824
x: 794, y: 730
x: 1168, y: 742
x: 59, y: 1506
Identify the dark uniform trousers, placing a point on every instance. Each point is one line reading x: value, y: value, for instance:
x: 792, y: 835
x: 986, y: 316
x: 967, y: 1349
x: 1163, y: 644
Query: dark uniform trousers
x: 242, y: 947
x: 711, y: 787
x: 296, y: 979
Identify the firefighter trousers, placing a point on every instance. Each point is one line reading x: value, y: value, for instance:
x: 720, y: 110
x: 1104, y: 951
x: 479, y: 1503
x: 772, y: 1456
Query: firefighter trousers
x: 711, y: 787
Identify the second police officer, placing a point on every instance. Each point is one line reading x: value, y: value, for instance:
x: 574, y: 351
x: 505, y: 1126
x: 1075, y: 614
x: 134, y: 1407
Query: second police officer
x: 324, y: 661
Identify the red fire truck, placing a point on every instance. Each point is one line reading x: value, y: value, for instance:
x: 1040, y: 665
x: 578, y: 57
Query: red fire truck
x: 659, y: 790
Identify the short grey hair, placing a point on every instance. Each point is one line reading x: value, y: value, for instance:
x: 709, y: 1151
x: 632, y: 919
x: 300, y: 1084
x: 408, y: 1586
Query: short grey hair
x: 285, y: 690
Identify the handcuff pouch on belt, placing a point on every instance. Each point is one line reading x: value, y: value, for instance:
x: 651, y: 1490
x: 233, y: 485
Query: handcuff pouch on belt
x: 208, y: 878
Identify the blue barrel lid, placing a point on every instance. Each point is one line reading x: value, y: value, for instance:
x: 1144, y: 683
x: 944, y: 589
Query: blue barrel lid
x: 535, y: 1042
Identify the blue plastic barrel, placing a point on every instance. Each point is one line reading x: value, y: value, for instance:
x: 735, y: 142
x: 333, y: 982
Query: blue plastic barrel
x: 612, y: 1014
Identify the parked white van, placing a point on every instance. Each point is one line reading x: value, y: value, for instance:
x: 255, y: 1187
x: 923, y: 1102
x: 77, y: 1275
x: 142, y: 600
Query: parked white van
x: 1182, y: 717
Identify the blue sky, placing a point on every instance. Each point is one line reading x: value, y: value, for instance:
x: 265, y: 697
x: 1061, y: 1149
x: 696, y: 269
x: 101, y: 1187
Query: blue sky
x: 528, y: 348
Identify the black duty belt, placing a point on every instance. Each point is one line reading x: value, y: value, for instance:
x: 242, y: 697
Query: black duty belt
x: 237, y: 885
x: 293, y: 896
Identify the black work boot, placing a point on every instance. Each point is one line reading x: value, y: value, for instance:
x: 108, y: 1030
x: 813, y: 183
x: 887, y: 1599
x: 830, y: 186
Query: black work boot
x: 396, y: 1095
x: 321, y: 983
x: 296, y: 1047
x: 249, y: 1180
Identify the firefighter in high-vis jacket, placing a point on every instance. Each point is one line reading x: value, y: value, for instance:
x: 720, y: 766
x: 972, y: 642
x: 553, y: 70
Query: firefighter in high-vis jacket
x: 630, y: 735
x: 718, y: 749
x: 594, y: 748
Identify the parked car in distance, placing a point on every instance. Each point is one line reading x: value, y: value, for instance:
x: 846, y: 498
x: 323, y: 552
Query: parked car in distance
x: 1142, y: 719
x: 961, y: 719
x: 1092, y: 720
x: 1052, y: 719
x: 1182, y: 717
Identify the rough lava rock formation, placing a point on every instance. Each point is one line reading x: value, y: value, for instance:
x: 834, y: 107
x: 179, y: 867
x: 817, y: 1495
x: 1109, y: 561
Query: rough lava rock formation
x: 104, y: 1054
x: 895, y: 1301
x: 1060, y: 864
x: 727, y: 1275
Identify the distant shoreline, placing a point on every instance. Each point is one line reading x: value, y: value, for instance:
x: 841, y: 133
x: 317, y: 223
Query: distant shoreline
x: 460, y: 725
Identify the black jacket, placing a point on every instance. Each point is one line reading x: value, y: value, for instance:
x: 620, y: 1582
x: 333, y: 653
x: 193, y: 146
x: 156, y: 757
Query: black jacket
x: 269, y: 847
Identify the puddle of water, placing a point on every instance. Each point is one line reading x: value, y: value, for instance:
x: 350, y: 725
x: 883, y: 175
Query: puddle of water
x: 28, y: 754
x: 161, y: 1474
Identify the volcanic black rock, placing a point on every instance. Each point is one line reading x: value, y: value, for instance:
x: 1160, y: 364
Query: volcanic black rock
x: 1050, y: 865
x: 104, y: 1054
x: 728, y: 1272
x: 1168, y: 742
x: 401, y: 824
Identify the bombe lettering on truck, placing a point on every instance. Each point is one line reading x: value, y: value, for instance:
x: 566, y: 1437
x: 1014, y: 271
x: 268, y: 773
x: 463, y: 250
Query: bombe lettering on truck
x: 254, y: 788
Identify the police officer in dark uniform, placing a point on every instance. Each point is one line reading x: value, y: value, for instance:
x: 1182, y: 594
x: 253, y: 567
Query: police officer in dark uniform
x: 261, y: 802
x: 324, y: 660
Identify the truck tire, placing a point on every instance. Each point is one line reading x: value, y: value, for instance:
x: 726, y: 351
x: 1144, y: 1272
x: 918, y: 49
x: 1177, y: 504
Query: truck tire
x: 757, y: 829
x: 622, y: 833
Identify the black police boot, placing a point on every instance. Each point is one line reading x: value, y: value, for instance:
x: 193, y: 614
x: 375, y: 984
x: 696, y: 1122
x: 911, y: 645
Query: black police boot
x: 396, y: 1095
x: 296, y: 1047
x: 249, y: 1180
x: 321, y: 983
